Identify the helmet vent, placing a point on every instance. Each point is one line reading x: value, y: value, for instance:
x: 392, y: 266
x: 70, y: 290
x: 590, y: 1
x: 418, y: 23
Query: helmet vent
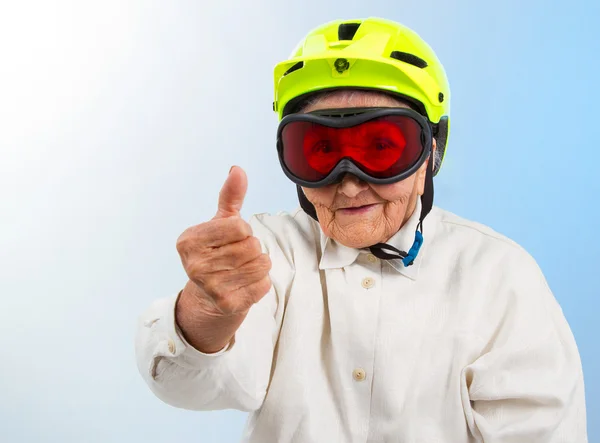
x: 409, y: 58
x: 297, y: 66
x: 346, y: 31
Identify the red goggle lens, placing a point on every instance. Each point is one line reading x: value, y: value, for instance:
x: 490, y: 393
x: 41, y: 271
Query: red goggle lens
x: 382, y: 148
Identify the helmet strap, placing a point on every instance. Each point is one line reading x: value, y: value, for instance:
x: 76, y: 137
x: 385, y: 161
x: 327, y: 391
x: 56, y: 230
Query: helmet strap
x: 305, y: 204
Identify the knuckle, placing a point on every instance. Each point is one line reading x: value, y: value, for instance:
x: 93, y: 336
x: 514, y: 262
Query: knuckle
x: 266, y: 284
x: 241, y: 227
x: 195, y: 272
x: 259, y: 267
x: 182, y: 243
x: 265, y: 263
x: 261, y: 288
x: 251, y: 246
x: 255, y: 245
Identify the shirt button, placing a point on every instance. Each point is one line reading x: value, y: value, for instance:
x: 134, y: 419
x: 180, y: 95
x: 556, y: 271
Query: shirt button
x: 371, y: 258
x: 171, y: 346
x: 359, y: 374
x: 368, y: 283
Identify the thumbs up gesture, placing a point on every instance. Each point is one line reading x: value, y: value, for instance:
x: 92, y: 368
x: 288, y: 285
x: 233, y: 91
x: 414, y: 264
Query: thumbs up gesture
x: 222, y: 258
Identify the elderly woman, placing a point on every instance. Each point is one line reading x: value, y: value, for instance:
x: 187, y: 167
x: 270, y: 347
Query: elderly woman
x: 368, y: 314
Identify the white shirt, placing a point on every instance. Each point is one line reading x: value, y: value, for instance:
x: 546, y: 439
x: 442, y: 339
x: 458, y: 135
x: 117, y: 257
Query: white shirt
x: 466, y: 345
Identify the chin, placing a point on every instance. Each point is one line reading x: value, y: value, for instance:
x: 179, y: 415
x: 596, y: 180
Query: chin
x: 358, y: 235
x: 361, y: 245
x: 357, y: 242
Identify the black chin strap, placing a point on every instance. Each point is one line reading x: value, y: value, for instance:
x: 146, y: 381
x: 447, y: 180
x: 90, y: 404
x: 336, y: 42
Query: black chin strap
x: 380, y: 250
x: 306, y: 205
x: 408, y: 258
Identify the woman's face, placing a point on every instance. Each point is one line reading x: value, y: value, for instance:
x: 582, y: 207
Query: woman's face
x: 353, y: 212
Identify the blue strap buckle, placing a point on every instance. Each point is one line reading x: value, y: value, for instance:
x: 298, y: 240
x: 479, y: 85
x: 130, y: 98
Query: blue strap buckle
x: 414, y: 250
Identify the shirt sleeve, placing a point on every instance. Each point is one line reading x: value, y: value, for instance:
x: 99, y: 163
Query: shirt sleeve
x: 235, y: 377
x: 527, y: 384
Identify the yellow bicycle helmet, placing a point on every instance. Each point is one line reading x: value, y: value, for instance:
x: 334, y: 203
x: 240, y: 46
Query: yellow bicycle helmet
x: 370, y: 53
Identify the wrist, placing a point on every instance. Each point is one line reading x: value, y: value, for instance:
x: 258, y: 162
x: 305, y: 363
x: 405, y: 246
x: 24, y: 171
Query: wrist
x: 201, y: 325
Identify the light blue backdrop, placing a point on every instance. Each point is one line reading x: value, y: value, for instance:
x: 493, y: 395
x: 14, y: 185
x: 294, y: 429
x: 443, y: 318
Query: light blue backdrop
x: 120, y: 119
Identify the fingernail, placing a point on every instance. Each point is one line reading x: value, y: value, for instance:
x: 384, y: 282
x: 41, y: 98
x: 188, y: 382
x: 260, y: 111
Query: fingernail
x: 231, y: 169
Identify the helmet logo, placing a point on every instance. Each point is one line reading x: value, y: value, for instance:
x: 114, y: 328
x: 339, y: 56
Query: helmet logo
x: 341, y: 65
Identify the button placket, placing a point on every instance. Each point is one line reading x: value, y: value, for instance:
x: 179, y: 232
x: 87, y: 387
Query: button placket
x: 357, y: 316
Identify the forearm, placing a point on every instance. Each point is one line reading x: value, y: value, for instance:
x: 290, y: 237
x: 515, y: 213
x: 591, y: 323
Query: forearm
x: 203, y: 328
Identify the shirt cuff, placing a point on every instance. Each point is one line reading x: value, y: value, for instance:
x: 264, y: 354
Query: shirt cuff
x: 179, y: 349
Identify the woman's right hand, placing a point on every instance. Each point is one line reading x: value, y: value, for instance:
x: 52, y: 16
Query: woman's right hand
x: 227, y: 269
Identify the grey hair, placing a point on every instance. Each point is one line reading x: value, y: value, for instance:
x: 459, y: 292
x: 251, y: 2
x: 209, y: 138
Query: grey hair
x: 347, y: 96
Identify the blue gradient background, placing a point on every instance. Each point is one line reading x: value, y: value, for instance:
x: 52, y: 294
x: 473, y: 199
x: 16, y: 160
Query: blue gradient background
x: 120, y: 119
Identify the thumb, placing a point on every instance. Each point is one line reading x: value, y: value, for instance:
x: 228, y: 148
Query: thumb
x: 231, y: 197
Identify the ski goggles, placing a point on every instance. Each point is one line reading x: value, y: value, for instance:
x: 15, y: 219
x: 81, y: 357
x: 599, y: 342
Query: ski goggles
x: 377, y: 145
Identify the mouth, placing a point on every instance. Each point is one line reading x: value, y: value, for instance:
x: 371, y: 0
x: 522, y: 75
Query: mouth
x: 358, y: 209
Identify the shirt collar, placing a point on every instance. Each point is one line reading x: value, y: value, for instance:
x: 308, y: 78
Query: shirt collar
x: 336, y: 255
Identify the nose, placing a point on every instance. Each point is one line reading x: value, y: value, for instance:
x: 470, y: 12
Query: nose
x: 351, y: 185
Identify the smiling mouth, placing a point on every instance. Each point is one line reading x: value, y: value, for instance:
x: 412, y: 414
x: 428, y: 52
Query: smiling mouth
x: 358, y: 209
